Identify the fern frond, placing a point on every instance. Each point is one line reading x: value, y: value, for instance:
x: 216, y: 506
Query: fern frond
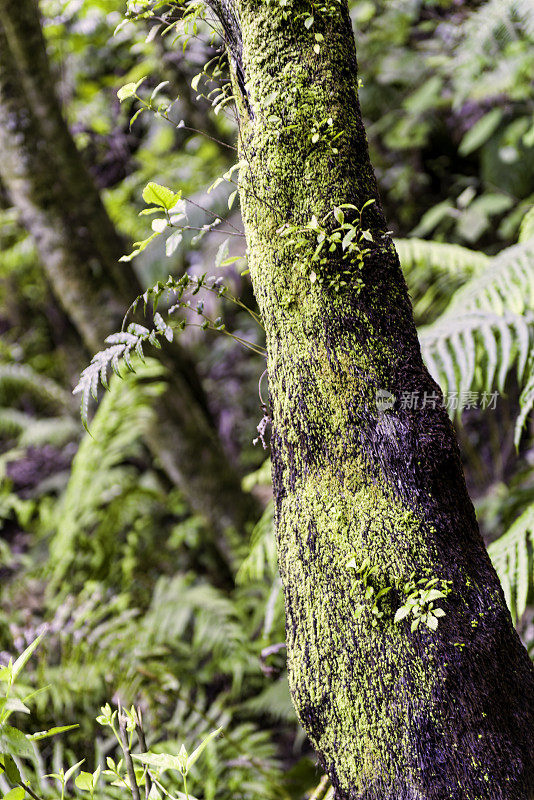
x: 31, y: 431
x: 495, y: 22
x: 526, y: 402
x: 123, y: 346
x: 475, y: 349
x: 17, y: 380
x: 506, y: 285
x: 438, y: 257
x: 274, y: 702
x: 261, y: 558
x: 526, y: 230
x: 488, y: 327
x: 121, y: 419
x: 511, y: 555
x: 181, y: 610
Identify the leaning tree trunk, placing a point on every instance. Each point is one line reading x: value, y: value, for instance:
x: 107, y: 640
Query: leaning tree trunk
x: 79, y: 248
x: 393, y: 714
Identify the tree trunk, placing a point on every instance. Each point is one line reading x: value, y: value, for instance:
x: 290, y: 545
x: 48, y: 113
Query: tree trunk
x: 79, y: 248
x: 393, y: 714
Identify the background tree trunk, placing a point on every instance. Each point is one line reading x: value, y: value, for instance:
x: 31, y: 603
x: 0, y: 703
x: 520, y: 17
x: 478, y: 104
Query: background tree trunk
x: 394, y: 714
x: 79, y: 248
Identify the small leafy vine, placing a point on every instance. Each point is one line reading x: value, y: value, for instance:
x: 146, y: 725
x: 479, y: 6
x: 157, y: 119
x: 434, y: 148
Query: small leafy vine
x: 347, y: 240
x: 420, y: 596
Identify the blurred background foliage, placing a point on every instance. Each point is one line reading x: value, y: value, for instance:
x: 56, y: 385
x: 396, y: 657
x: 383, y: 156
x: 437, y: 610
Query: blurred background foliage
x: 98, y: 545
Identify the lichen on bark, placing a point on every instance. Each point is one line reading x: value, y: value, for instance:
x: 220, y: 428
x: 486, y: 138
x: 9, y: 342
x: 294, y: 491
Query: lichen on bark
x: 392, y: 713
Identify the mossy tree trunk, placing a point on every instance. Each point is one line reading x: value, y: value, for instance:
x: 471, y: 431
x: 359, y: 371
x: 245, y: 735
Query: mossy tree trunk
x: 80, y: 248
x: 393, y: 714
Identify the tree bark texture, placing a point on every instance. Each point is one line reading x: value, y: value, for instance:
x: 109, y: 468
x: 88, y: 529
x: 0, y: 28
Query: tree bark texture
x: 80, y: 248
x: 445, y: 714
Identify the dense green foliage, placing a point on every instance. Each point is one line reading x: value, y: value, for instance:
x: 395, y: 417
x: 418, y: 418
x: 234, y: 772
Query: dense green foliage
x: 99, y: 551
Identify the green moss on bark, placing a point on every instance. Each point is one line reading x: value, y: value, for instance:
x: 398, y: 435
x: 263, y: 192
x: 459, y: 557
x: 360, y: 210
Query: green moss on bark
x: 393, y: 714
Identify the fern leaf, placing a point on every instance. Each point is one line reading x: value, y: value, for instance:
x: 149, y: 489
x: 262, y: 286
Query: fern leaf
x: 436, y: 257
x: 261, y: 559
x: 513, y: 561
x: 19, y: 379
x: 448, y: 346
x: 526, y: 230
x: 526, y: 403
x: 507, y: 284
x: 488, y: 327
x: 121, y: 419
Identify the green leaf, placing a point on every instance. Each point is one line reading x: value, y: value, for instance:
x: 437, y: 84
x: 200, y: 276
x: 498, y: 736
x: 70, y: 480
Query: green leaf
x: 198, y: 752
x: 172, y: 243
x: 480, y: 132
x: 432, y: 622
x: 231, y: 260
x: 14, y: 704
x: 129, y: 89
x: 138, y: 248
x: 11, y: 769
x: 137, y: 114
x: 71, y: 770
x: 14, y: 742
x: 401, y: 613
x: 158, y: 89
x: 158, y: 225
x: 160, y: 761
x: 15, y: 794
x: 349, y: 236
x: 339, y: 215
x: 308, y: 22
x: 232, y: 198
x: 84, y: 781
x: 35, y: 737
x: 222, y: 252
x: 195, y: 81
x: 23, y: 658
x: 162, y: 196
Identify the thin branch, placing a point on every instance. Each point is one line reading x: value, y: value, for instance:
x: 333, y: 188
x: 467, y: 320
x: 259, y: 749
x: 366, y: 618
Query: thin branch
x: 209, y: 211
x: 30, y: 791
x: 134, y: 788
x: 144, y: 748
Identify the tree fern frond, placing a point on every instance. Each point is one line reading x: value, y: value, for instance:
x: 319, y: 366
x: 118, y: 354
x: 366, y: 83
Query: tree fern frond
x: 488, y: 326
x: 526, y: 402
x: 56, y: 431
x: 526, y: 230
x: 17, y: 380
x: 30, y: 431
x: 495, y: 22
x: 438, y: 257
x: 511, y: 555
x: 434, y: 271
x: 274, y: 702
x: 464, y: 351
x: 183, y: 610
x: 120, y: 421
x: 261, y: 558
x: 506, y: 285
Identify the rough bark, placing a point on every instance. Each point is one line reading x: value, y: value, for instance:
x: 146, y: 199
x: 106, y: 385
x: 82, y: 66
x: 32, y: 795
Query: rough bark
x: 393, y: 714
x: 79, y: 249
